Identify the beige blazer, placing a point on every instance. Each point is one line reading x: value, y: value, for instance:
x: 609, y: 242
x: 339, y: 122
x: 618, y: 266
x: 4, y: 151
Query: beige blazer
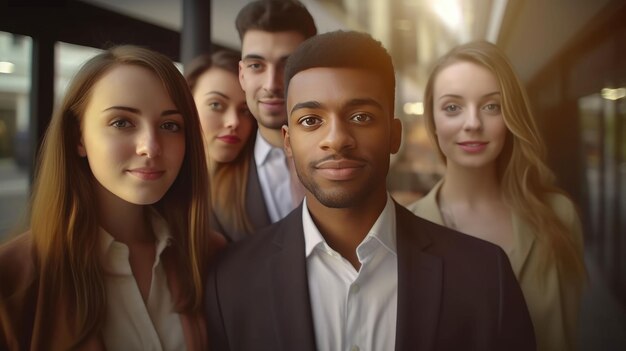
x: 30, y: 321
x: 553, y: 306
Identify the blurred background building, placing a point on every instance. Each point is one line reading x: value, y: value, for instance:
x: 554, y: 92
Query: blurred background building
x: 571, y: 55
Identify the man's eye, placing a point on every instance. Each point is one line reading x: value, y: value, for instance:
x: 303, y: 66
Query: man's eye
x: 309, y: 121
x: 362, y: 117
x: 255, y: 66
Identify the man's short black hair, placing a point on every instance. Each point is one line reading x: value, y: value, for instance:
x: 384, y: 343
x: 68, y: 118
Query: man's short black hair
x: 275, y: 16
x: 344, y: 49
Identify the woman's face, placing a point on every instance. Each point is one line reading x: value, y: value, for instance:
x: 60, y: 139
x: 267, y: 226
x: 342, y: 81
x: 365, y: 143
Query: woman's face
x: 132, y: 135
x: 467, y: 110
x: 224, y: 116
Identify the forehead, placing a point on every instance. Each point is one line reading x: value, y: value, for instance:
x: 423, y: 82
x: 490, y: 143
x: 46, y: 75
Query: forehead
x: 334, y: 87
x: 129, y: 85
x: 465, y: 76
x: 216, y: 78
x: 270, y: 44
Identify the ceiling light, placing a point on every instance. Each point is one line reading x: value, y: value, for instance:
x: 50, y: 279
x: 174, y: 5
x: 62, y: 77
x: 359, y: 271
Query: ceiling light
x: 414, y: 108
x: 613, y: 94
x: 7, y: 67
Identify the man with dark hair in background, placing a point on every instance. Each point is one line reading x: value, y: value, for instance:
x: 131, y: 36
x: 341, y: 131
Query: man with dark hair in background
x: 270, y: 30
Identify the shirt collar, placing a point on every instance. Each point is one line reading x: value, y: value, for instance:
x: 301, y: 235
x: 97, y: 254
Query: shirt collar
x: 262, y: 149
x: 383, y: 230
x: 114, y: 254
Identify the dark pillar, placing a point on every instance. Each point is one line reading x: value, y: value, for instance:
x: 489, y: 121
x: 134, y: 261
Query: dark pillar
x: 196, y: 29
x: 42, y: 93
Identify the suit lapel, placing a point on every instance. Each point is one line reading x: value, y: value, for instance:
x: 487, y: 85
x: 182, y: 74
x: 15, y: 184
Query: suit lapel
x: 255, y: 201
x: 419, y: 285
x: 289, y: 284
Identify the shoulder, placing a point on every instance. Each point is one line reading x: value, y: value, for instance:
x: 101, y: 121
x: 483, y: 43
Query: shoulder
x: 427, y: 207
x: 567, y: 212
x: 563, y: 206
x: 255, y: 248
x: 442, y: 241
x: 17, y: 264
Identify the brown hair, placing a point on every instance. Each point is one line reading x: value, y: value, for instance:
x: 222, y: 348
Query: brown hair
x: 64, y: 222
x: 227, y: 60
x: 228, y: 179
x: 524, y: 177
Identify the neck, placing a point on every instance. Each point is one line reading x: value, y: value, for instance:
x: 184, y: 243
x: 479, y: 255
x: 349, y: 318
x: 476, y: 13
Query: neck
x: 273, y: 136
x: 470, y: 185
x: 345, y: 228
x: 126, y: 222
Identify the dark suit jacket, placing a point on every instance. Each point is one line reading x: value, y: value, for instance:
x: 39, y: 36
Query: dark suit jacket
x: 255, y: 202
x: 455, y: 292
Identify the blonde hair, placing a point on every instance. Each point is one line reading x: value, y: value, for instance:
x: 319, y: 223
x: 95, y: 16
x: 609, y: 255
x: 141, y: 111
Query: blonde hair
x: 525, y: 179
x: 228, y: 179
x: 64, y: 220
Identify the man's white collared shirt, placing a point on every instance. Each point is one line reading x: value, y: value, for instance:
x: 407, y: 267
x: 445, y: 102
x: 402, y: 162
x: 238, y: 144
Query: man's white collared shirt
x: 354, y: 310
x: 274, y: 178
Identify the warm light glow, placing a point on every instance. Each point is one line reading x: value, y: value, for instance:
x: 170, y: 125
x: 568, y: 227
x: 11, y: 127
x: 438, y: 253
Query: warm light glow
x: 414, y: 108
x: 449, y: 11
x: 6, y: 67
x: 613, y: 94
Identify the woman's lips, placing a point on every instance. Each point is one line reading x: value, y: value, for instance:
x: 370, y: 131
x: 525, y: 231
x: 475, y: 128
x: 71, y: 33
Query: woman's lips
x: 146, y: 173
x: 473, y: 146
x: 229, y: 139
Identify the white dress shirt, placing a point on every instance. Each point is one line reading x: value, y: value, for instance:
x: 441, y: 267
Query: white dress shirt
x: 130, y: 323
x: 354, y: 310
x: 271, y: 164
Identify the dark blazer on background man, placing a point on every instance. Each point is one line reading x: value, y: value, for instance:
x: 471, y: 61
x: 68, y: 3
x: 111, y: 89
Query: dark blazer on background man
x: 455, y: 292
x: 256, y: 209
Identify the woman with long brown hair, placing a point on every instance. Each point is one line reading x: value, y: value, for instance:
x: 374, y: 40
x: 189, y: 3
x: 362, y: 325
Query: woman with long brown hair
x: 229, y: 131
x: 119, y: 237
x: 497, y: 186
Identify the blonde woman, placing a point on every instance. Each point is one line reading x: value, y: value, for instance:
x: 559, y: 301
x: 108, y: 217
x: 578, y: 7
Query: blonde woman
x: 497, y: 186
x: 119, y: 238
x: 229, y: 131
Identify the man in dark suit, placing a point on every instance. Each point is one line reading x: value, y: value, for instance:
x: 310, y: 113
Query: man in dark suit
x: 269, y: 31
x: 350, y: 269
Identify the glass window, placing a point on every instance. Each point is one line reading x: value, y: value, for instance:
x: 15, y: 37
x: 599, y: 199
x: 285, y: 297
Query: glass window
x: 15, y: 163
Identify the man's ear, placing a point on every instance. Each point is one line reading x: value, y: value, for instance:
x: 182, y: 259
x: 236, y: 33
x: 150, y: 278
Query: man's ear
x: 396, y: 135
x: 286, y: 141
x: 82, y: 152
x: 241, y: 73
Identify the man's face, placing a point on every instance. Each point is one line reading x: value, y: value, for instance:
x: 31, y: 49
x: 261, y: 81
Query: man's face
x: 341, y: 133
x: 261, y: 72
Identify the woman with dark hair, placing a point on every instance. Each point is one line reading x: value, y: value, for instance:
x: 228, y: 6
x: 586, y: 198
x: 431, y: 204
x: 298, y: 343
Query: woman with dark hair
x: 229, y: 130
x: 119, y: 238
x: 497, y: 186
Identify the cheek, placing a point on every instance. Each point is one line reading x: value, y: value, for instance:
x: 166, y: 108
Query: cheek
x: 245, y: 127
x: 176, y: 147
x: 498, y: 130
x: 444, y: 127
x: 211, y: 123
